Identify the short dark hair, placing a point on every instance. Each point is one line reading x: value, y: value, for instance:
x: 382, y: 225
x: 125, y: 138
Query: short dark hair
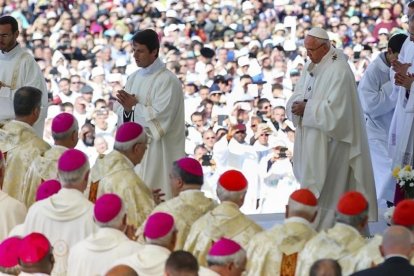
x: 182, y: 261
x: 318, y: 264
x: 7, y: 19
x: 26, y: 100
x: 261, y: 102
x: 396, y: 42
x: 148, y: 38
x: 187, y: 178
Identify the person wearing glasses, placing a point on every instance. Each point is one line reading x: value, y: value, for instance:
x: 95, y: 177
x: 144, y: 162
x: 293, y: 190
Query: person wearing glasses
x: 331, y: 153
x: 18, y: 68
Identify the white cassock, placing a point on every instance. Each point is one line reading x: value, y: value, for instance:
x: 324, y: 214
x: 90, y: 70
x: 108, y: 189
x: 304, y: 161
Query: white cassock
x: 65, y: 219
x: 149, y: 260
x: 401, y: 140
x: 375, y: 94
x: 95, y: 254
x: 12, y: 213
x: 161, y: 111
x: 18, y: 68
x: 331, y: 153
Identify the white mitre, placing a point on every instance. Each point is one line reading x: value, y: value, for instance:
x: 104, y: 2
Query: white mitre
x: 319, y: 33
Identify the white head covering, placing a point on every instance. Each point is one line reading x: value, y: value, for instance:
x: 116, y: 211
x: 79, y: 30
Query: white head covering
x: 319, y: 33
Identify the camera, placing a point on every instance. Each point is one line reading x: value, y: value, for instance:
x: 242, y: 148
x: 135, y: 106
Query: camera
x: 282, y: 153
x: 206, y: 160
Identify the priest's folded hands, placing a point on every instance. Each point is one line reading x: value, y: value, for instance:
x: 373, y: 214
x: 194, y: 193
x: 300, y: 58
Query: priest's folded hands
x: 128, y: 101
x: 298, y: 108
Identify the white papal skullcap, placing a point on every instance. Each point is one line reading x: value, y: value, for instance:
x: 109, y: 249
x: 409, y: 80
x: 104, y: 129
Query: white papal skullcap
x: 319, y: 33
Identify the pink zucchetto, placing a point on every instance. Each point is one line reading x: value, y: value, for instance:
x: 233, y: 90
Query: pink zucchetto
x: 62, y: 122
x: 107, y: 207
x: 71, y: 160
x: 9, y: 250
x: 190, y: 165
x: 158, y: 225
x: 33, y: 248
x: 128, y: 132
x: 47, y: 189
x: 224, y: 247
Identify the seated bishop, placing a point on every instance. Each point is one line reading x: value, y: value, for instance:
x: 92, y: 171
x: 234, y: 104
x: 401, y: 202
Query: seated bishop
x: 224, y: 220
x: 44, y: 167
x: 276, y: 251
x: 160, y: 235
x: 64, y: 218
x: 93, y: 255
x: 18, y: 139
x: 189, y: 203
x: 341, y: 241
x: 114, y: 173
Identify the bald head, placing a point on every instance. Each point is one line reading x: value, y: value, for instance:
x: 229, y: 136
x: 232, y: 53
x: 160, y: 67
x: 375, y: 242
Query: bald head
x: 121, y: 270
x: 397, y: 240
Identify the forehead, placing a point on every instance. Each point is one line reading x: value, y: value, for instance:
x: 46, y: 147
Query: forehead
x: 138, y: 46
x: 5, y: 28
x: 309, y: 41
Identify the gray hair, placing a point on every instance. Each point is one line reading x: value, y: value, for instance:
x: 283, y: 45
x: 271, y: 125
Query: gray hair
x: 226, y: 195
x: 237, y: 258
x: 68, y: 179
x: 116, y: 221
x: 163, y: 241
x: 126, y: 146
x: 353, y: 221
x: 66, y: 134
x: 299, y: 208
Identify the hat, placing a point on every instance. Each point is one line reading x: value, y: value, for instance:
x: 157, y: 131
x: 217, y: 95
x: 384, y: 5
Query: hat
x: 37, y: 36
x: 207, y: 52
x: 243, y: 61
x: 128, y: 132
x: 9, y: 250
x: 86, y: 89
x: 280, y: 27
x: 352, y: 203
x: 319, y: 33
x: 383, y: 31
x: 404, y: 213
x: 354, y: 20
x: 107, y: 207
x: 190, y: 165
x: 214, y: 89
x: 258, y: 79
x: 273, y: 143
x: 47, y: 189
x: 247, y: 5
x: 158, y: 225
x: 264, y: 128
x: 33, y: 248
x: 97, y: 71
x: 71, y: 160
x: 233, y: 181
x: 171, y: 14
x: 409, y: 3
x: 224, y: 247
x: 304, y: 196
x: 62, y: 122
x: 254, y: 43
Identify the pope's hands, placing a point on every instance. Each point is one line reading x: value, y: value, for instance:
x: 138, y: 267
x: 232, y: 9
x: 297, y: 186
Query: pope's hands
x: 298, y: 108
x: 128, y: 101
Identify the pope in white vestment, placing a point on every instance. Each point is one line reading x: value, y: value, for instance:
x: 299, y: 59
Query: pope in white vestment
x: 331, y: 153
x: 160, y: 110
x: 18, y: 68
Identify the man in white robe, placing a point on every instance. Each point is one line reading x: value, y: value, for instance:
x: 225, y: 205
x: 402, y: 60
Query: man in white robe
x: 160, y: 236
x: 94, y: 255
x: 18, y: 68
x: 12, y: 212
x: 153, y: 97
x: 375, y: 93
x: 66, y: 217
x: 331, y: 149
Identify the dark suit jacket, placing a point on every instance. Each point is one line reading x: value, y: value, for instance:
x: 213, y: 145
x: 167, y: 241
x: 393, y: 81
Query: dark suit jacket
x: 397, y: 266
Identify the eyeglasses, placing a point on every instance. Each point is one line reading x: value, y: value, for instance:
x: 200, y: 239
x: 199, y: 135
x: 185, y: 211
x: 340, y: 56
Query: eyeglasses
x: 265, y: 134
x: 315, y: 49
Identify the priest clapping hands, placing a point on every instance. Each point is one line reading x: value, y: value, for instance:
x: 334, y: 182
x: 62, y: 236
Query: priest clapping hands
x: 128, y: 101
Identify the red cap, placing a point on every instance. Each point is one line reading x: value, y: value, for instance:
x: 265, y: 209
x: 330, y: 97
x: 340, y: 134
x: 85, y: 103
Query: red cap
x: 33, y: 248
x: 48, y: 188
x: 128, y: 132
x: 404, y: 213
x: 233, y: 181
x: 224, y: 247
x: 62, y: 122
x: 304, y: 196
x: 107, y: 207
x: 190, y: 165
x: 158, y: 225
x: 9, y: 250
x: 352, y: 203
x: 71, y: 160
x: 240, y: 127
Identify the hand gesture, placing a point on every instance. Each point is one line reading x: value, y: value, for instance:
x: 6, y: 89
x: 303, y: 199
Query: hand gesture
x: 404, y: 80
x: 298, y: 108
x: 400, y: 68
x: 2, y: 84
x: 158, y: 196
x: 128, y: 101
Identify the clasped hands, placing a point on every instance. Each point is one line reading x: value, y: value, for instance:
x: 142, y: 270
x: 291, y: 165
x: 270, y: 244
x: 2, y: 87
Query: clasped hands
x: 298, y: 108
x: 402, y: 77
x: 128, y: 101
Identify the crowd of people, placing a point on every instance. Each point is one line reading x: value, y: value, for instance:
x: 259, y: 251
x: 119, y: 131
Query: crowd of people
x: 166, y: 122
